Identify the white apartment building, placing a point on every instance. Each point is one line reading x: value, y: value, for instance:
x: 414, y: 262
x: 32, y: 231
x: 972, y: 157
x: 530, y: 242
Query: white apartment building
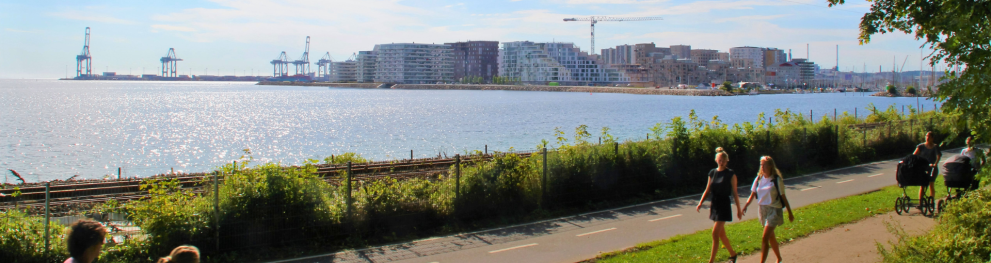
x: 365, y: 66
x: 412, y: 63
x: 539, y: 63
x: 745, y: 57
x: 344, y: 71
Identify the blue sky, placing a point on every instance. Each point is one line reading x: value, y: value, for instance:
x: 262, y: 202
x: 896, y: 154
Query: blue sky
x: 40, y: 39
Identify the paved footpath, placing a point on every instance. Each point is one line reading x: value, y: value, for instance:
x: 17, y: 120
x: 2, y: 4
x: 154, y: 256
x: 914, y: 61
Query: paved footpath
x: 584, y: 236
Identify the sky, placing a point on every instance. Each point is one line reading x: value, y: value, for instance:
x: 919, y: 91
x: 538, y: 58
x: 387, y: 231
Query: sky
x: 40, y: 39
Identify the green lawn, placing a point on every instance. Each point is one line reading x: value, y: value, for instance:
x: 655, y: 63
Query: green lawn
x: 746, y: 235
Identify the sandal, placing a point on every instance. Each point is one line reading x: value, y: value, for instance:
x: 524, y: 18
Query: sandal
x: 733, y: 258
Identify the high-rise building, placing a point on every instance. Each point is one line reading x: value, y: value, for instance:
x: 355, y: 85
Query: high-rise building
x: 774, y: 56
x: 475, y: 59
x: 558, y: 62
x: 681, y: 51
x: 702, y: 56
x: 365, y: 66
x: 412, y: 63
x: 746, y: 57
x: 724, y: 56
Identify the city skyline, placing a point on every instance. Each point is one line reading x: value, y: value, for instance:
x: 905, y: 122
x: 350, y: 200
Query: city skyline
x: 43, y: 39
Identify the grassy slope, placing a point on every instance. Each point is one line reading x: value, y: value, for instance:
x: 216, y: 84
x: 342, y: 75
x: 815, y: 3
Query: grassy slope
x: 745, y: 236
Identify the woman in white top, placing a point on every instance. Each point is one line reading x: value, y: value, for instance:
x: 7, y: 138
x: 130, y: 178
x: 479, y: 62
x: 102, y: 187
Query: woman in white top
x: 975, y: 154
x: 769, y: 189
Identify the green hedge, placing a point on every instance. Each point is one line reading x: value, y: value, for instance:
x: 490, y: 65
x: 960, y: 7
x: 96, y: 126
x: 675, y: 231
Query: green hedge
x: 289, y: 211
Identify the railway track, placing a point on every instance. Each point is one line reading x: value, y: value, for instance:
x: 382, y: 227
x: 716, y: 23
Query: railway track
x: 66, y: 197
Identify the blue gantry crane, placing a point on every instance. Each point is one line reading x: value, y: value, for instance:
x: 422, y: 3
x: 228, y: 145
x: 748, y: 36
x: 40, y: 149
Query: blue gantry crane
x: 169, y: 64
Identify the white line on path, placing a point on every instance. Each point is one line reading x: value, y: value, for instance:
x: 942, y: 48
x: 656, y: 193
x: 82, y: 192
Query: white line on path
x: 662, y: 218
x: 508, y: 249
x: 875, y: 175
x: 847, y: 181
x: 595, y: 232
x: 810, y: 188
x: 425, y: 240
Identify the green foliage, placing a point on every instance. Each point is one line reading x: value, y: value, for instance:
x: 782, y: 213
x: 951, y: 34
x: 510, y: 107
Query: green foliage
x: 345, y: 158
x: 962, y: 234
x: 957, y: 32
x: 912, y: 91
x: 22, y: 239
x: 892, y: 90
x: 726, y: 86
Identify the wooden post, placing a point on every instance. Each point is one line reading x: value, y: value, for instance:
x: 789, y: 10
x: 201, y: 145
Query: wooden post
x: 834, y: 114
x: 457, y: 178
x: 410, y: 156
x: 855, y: 114
x: 216, y: 207
x: 486, y: 149
x: 118, y: 173
x: 543, y: 178
x: 347, y: 198
x: 48, y: 186
x: 616, y: 148
x: 811, y: 118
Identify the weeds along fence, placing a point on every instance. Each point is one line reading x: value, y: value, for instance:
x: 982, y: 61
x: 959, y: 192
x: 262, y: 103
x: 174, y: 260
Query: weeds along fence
x: 271, y: 210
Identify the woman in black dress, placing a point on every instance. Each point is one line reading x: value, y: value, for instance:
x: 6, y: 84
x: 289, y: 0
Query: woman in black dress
x: 721, y: 187
x: 931, y: 152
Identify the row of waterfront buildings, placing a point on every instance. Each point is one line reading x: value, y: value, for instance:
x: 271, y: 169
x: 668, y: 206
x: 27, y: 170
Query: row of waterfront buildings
x: 541, y: 63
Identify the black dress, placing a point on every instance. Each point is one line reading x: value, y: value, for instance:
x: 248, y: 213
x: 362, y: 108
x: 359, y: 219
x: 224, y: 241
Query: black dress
x: 930, y: 155
x: 720, y: 192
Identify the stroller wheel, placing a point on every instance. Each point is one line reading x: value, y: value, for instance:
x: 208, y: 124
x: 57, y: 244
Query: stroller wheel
x: 930, y: 206
x: 940, y: 204
x: 898, y: 205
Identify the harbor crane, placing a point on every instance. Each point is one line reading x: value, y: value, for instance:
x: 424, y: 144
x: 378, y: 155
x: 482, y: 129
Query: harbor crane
x: 169, y: 64
x: 596, y: 19
x: 323, y: 63
x: 302, y: 65
x: 84, y: 60
x: 280, y: 66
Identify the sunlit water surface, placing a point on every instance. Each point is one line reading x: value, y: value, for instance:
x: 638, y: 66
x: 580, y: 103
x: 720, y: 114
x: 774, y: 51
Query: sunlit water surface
x: 55, y: 129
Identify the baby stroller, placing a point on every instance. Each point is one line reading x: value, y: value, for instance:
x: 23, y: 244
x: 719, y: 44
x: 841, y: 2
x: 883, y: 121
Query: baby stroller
x: 958, y: 175
x: 914, y: 171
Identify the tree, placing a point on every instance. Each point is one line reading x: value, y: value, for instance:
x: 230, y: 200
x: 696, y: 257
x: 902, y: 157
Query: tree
x: 727, y: 86
x: 892, y: 90
x: 912, y: 90
x: 959, y: 31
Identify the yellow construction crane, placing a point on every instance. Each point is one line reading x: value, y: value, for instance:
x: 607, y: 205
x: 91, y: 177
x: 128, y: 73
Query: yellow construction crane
x: 596, y: 19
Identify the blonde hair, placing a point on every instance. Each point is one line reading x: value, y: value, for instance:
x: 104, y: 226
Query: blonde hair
x: 720, y: 151
x: 774, y: 167
x: 182, y: 254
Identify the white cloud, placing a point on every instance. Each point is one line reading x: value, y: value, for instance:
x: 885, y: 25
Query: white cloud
x: 81, y: 16
x: 173, y: 28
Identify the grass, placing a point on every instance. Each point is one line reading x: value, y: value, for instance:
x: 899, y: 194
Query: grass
x: 746, y: 235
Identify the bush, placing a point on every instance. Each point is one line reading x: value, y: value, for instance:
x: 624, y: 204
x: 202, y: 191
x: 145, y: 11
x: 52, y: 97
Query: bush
x: 289, y: 209
x: 22, y: 239
x: 962, y: 234
x: 912, y: 90
x: 892, y: 90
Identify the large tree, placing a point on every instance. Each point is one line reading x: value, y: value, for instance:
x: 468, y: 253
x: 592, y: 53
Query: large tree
x: 959, y: 32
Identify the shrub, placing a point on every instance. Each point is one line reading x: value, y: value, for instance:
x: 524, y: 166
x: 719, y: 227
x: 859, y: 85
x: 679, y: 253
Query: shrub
x: 962, y: 234
x: 22, y: 239
x: 892, y: 90
x: 912, y: 90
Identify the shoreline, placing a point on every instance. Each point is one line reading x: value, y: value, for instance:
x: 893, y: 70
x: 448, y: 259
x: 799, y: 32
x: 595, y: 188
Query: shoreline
x: 636, y: 91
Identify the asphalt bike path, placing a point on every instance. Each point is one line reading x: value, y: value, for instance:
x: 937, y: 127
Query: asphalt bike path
x: 584, y: 236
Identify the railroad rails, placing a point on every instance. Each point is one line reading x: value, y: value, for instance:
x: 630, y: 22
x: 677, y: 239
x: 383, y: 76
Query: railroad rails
x: 66, y: 197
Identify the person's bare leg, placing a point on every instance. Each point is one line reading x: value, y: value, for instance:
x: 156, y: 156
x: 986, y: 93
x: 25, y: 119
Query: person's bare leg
x: 932, y: 189
x: 764, y: 246
x: 773, y: 240
x: 715, y: 241
x: 722, y: 235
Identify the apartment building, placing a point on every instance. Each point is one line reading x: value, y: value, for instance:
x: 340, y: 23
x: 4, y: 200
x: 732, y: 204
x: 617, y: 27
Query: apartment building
x: 703, y: 56
x: 774, y: 56
x: 475, y: 59
x: 539, y: 63
x: 365, y: 66
x: 343, y: 71
x: 681, y: 51
x: 746, y: 57
x: 618, y: 55
x: 413, y: 63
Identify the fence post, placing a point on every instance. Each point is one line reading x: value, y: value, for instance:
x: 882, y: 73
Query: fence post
x: 616, y: 149
x: 410, y: 157
x: 118, y: 173
x: 48, y: 186
x: 543, y: 178
x: 457, y: 178
x: 855, y: 114
x: 486, y: 149
x: 903, y: 110
x: 811, y: 118
x: 216, y: 207
x: 834, y: 114
x: 347, y: 199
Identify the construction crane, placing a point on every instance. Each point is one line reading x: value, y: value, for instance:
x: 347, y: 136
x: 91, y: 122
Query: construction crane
x: 302, y: 65
x: 323, y: 63
x: 169, y: 64
x: 84, y: 60
x: 596, y: 19
x: 280, y: 66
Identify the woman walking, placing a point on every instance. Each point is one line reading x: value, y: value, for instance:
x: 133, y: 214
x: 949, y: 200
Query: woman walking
x: 769, y: 189
x: 721, y: 187
x: 931, y: 152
